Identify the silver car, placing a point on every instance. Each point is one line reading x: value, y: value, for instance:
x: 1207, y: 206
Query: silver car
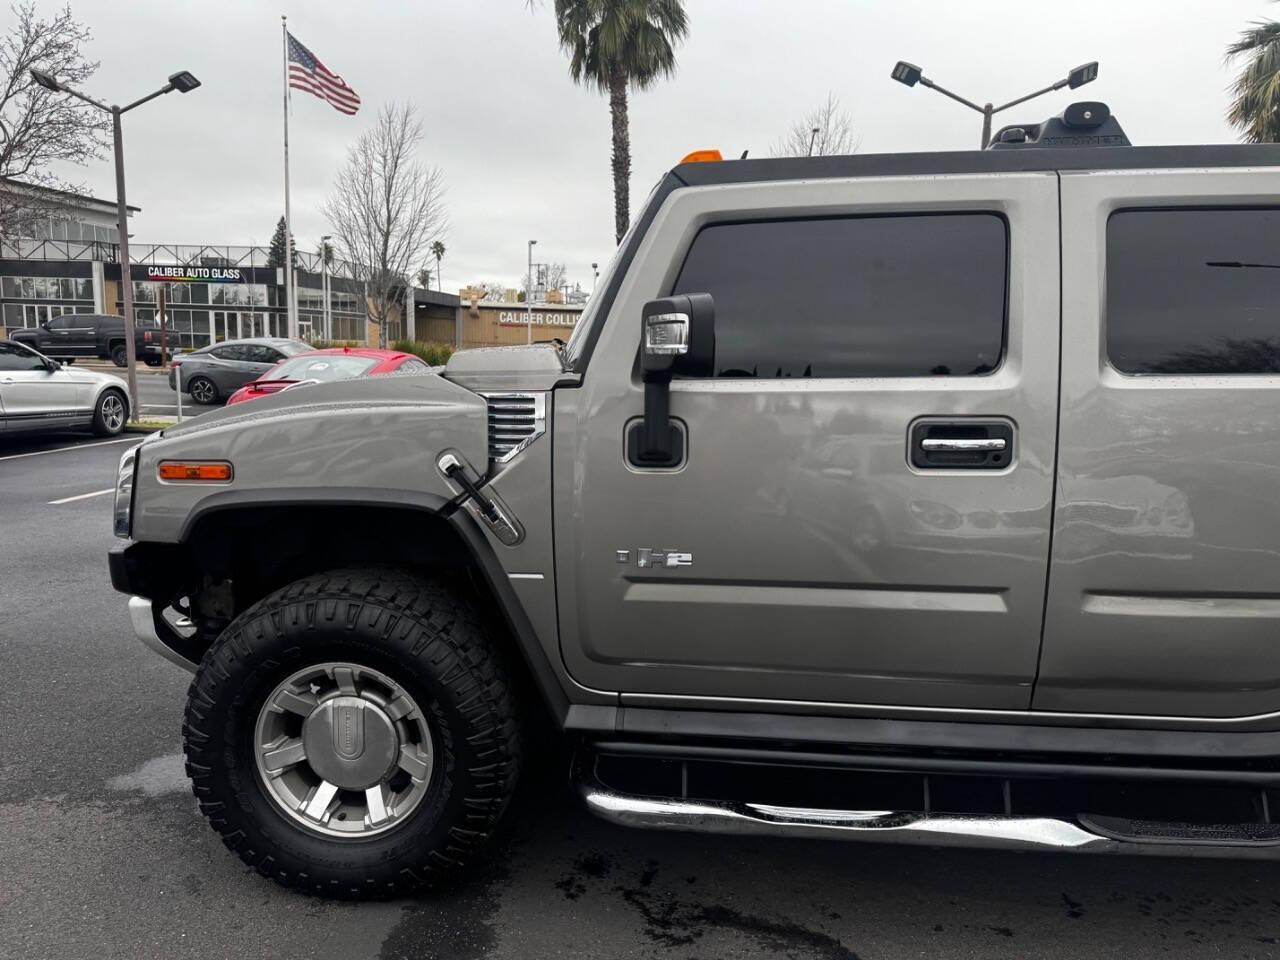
x: 213, y: 373
x: 37, y: 393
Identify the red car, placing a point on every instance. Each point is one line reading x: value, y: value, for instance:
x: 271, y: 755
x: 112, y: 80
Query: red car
x: 321, y: 366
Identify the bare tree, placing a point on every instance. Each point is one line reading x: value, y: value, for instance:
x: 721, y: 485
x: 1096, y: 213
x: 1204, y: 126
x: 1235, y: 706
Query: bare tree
x: 38, y: 127
x: 826, y: 130
x: 386, y: 208
x: 493, y: 291
x: 546, y: 276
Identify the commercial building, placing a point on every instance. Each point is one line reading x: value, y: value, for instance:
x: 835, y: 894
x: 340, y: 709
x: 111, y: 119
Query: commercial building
x: 68, y: 262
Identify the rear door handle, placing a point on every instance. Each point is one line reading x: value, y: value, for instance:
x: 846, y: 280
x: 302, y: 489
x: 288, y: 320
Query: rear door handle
x: 936, y: 443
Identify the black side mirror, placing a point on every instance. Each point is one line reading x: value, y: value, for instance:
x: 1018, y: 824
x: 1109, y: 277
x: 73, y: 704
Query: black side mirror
x: 677, y: 335
x: 52, y: 365
x: 44, y: 324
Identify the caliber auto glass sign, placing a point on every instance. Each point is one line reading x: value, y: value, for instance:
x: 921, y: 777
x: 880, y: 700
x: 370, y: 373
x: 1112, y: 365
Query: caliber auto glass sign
x: 195, y: 274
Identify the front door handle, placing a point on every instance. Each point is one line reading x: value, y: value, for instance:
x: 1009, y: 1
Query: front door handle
x: 935, y: 443
x: 961, y: 443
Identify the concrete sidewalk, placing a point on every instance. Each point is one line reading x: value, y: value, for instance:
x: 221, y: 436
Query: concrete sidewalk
x: 106, y: 366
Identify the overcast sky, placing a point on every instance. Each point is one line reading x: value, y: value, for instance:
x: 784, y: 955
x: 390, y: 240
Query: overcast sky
x: 525, y: 153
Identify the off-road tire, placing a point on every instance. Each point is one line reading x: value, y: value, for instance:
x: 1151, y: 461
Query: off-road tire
x: 110, y: 414
x: 120, y: 355
x: 199, y: 394
x: 421, y: 633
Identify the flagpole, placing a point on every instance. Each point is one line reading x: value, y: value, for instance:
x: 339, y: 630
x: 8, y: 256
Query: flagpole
x: 290, y: 311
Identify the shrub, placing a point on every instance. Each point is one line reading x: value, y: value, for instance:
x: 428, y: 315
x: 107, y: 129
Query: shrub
x: 432, y: 354
x: 329, y: 344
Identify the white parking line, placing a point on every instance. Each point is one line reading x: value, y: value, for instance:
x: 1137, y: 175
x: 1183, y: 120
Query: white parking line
x: 77, y: 446
x: 81, y: 496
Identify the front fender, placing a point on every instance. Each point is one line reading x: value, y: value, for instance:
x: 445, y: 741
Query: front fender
x: 351, y: 440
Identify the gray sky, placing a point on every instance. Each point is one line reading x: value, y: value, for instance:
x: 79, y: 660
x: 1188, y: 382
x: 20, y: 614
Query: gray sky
x: 525, y: 153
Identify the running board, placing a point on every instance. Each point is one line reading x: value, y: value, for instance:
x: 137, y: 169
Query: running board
x: 931, y: 829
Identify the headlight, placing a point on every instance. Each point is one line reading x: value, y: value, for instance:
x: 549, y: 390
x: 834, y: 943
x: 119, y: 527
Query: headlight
x: 123, y: 511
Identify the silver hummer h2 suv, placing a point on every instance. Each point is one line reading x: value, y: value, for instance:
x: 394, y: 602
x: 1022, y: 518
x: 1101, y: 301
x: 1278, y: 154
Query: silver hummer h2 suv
x: 931, y: 498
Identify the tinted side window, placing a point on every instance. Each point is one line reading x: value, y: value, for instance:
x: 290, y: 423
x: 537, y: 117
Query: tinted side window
x: 897, y: 296
x: 1193, y: 291
x: 236, y: 352
x: 260, y: 353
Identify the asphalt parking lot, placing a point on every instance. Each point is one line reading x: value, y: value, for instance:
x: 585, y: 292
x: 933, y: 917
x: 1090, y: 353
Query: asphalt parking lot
x: 104, y: 855
x: 155, y: 397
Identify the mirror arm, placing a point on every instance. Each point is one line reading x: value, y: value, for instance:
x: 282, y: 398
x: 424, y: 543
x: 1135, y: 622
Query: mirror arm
x: 657, y: 418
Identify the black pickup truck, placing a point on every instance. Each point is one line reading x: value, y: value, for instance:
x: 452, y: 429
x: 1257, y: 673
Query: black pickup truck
x: 75, y: 335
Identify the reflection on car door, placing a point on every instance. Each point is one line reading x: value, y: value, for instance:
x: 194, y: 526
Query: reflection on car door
x: 1164, y: 587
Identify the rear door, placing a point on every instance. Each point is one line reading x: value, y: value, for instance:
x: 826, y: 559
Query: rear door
x: 1165, y: 583
x: 819, y: 554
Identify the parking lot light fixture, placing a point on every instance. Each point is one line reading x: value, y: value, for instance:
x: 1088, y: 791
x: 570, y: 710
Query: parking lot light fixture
x: 184, y: 82
x: 909, y: 75
x: 528, y: 297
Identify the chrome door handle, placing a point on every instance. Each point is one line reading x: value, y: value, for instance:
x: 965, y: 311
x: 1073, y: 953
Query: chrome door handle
x: 936, y: 443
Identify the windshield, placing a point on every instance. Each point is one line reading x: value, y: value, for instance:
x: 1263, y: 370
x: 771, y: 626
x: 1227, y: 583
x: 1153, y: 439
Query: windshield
x: 323, y: 367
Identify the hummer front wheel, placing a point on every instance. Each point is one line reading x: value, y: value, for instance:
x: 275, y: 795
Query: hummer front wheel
x: 353, y: 734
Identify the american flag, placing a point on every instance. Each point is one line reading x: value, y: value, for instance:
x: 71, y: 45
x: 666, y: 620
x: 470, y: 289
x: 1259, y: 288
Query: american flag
x: 306, y: 72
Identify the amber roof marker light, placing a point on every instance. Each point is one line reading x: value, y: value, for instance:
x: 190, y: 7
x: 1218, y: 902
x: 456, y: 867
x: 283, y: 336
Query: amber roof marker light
x: 702, y: 156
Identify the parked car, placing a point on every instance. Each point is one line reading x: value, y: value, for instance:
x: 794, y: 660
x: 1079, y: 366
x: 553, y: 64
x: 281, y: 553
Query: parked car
x: 39, y: 393
x: 323, y: 366
x: 215, y: 372
x: 956, y: 525
x: 74, y: 336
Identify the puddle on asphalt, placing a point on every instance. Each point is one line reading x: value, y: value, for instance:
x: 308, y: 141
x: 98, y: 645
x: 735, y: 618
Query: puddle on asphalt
x: 156, y: 777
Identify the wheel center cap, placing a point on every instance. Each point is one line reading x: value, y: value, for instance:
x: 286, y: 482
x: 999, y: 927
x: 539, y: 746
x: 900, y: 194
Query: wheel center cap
x: 350, y: 741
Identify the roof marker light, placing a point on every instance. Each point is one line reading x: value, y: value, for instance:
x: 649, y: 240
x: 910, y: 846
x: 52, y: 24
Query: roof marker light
x: 702, y: 156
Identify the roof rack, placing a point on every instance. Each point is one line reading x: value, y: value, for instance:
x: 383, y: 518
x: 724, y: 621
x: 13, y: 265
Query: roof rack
x: 1085, y: 124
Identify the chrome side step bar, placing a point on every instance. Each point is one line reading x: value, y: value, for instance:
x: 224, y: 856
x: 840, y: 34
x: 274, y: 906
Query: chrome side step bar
x: 930, y: 829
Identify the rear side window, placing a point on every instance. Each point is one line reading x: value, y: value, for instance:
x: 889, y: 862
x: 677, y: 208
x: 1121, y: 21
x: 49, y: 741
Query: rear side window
x: 893, y: 296
x: 231, y: 352
x: 1193, y: 291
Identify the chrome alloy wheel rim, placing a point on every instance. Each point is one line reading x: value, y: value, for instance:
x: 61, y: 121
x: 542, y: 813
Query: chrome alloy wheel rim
x: 343, y: 750
x: 112, y: 412
x: 202, y: 390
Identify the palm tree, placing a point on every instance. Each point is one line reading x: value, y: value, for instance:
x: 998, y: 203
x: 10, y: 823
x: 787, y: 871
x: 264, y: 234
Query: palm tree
x: 1255, y: 109
x: 437, y: 249
x: 613, y: 44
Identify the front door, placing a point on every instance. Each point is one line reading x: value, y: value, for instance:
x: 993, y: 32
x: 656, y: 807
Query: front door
x: 1164, y: 592
x: 807, y: 548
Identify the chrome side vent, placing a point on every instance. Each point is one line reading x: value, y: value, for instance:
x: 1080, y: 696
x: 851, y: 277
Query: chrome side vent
x: 515, y: 421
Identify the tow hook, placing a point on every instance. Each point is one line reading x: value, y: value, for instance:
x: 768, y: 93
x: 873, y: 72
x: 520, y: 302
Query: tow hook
x: 483, y: 504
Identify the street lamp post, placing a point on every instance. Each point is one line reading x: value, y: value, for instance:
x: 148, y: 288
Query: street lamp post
x: 183, y: 82
x: 909, y: 74
x: 595, y: 275
x: 528, y: 297
x: 325, y: 317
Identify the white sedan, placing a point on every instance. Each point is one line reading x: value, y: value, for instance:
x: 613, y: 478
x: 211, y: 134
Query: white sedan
x: 37, y: 393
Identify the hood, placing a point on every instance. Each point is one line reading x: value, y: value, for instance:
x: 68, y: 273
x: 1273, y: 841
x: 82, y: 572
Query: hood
x: 535, y: 366
x: 338, y: 400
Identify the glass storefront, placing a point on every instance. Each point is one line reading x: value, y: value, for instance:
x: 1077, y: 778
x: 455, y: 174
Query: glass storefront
x: 58, y: 295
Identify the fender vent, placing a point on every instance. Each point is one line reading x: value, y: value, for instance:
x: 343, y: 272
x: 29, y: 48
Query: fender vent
x: 515, y: 421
